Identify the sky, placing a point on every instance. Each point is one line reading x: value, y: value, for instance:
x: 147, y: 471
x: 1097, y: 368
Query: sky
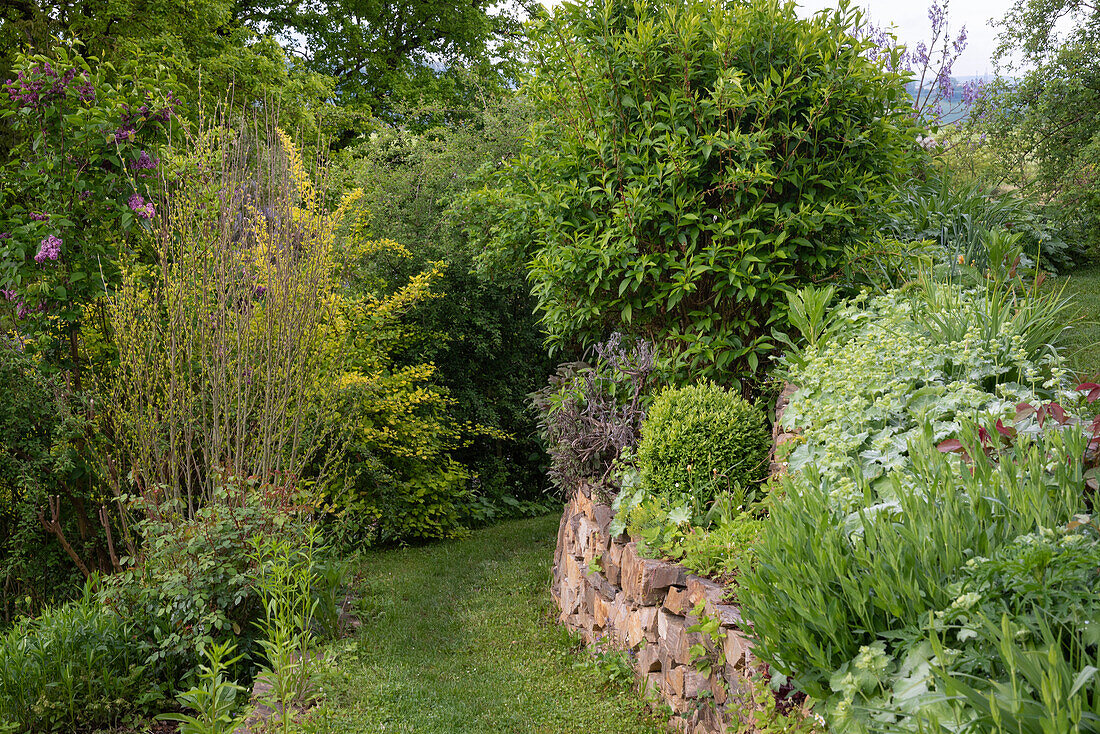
x: 909, y: 19
x: 911, y: 25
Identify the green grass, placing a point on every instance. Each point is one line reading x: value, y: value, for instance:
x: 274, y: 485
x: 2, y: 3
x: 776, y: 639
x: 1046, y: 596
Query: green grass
x: 1082, y: 347
x: 459, y: 637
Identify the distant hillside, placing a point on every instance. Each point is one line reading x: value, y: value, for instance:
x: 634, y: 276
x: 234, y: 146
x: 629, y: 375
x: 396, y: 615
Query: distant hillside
x: 953, y: 106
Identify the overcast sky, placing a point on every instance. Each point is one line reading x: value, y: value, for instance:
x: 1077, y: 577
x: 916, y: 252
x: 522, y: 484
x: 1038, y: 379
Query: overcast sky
x: 911, y: 25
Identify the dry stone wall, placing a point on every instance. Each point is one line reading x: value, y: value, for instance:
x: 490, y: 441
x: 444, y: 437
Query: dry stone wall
x: 612, y: 596
x: 608, y: 593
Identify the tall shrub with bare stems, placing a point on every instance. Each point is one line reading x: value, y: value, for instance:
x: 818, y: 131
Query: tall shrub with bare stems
x: 222, y: 344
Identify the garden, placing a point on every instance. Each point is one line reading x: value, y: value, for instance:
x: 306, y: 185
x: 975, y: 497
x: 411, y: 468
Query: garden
x: 314, y: 317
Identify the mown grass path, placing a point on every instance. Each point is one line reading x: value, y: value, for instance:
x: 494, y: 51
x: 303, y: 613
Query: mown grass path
x: 1082, y: 347
x: 459, y: 637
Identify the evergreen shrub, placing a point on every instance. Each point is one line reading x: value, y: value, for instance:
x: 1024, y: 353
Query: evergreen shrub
x: 693, y: 162
x: 699, y: 434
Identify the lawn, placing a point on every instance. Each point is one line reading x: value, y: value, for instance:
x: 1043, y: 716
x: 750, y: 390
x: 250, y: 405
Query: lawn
x: 460, y: 637
x: 1082, y: 347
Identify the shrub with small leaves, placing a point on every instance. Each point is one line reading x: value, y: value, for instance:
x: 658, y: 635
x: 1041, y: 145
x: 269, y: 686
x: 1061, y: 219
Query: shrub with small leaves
x: 702, y: 433
x: 194, y: 581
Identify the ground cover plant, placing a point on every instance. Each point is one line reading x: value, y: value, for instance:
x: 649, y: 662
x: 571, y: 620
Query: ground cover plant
x: 73, y: 665
x: 934, y: 355
x: 935, y: 446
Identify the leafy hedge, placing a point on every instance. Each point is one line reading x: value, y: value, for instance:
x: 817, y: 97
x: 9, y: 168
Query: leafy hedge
x: 693, y: 163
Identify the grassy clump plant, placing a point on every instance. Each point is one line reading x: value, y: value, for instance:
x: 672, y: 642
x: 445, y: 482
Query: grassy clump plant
x: 939, y: 483
x: 73, y: 665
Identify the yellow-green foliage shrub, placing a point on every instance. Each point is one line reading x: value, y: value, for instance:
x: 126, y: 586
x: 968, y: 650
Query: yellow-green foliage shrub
x: 396, y: 430
x: 700, y: 435
x: 263, y: 342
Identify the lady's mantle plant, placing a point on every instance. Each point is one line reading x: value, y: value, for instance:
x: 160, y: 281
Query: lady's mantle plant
x: 74, y: 191
x: 887, y: 371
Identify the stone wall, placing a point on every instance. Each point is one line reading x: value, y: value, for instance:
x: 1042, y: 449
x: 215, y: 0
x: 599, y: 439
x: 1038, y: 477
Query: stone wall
x: 615, y: 598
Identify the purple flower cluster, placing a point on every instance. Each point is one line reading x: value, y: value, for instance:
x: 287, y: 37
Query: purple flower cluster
x: 144, y: 162
x: 42, y: 85
x: 930, y: 64
x: 134, y: 118
x: 49, y: 249
x: 39, y: 216
x: 142, y: 208
x: 22, y: 310
x: 7, y: 294
x: 973, y: 91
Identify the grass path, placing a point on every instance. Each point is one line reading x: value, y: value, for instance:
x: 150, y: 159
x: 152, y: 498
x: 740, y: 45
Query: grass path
x: 459, y: 637
x: 1082, y: 348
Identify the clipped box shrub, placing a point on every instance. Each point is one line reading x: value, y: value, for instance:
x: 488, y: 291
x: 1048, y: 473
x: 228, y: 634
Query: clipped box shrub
x: 702, y: 435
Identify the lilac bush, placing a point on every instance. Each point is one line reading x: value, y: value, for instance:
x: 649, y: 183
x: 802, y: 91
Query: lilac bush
x: 83, y: 180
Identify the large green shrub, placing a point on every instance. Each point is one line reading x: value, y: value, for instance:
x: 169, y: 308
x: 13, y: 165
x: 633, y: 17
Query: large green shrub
x: 694, y: 160
x: 480, y: 330
x: 702, y: 434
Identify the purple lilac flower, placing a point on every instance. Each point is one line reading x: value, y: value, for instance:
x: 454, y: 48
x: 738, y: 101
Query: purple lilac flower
x: 143, y: 209
x: 42, y: 84
x: 39, y: 216
x: 50, y: 249
x: 7, y: 294
x: 21, y: 310
x: 259, y: 292
x: 5, y: 235
x: 920, y: 54
x: 143, y: 162
x: 84, y: 195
